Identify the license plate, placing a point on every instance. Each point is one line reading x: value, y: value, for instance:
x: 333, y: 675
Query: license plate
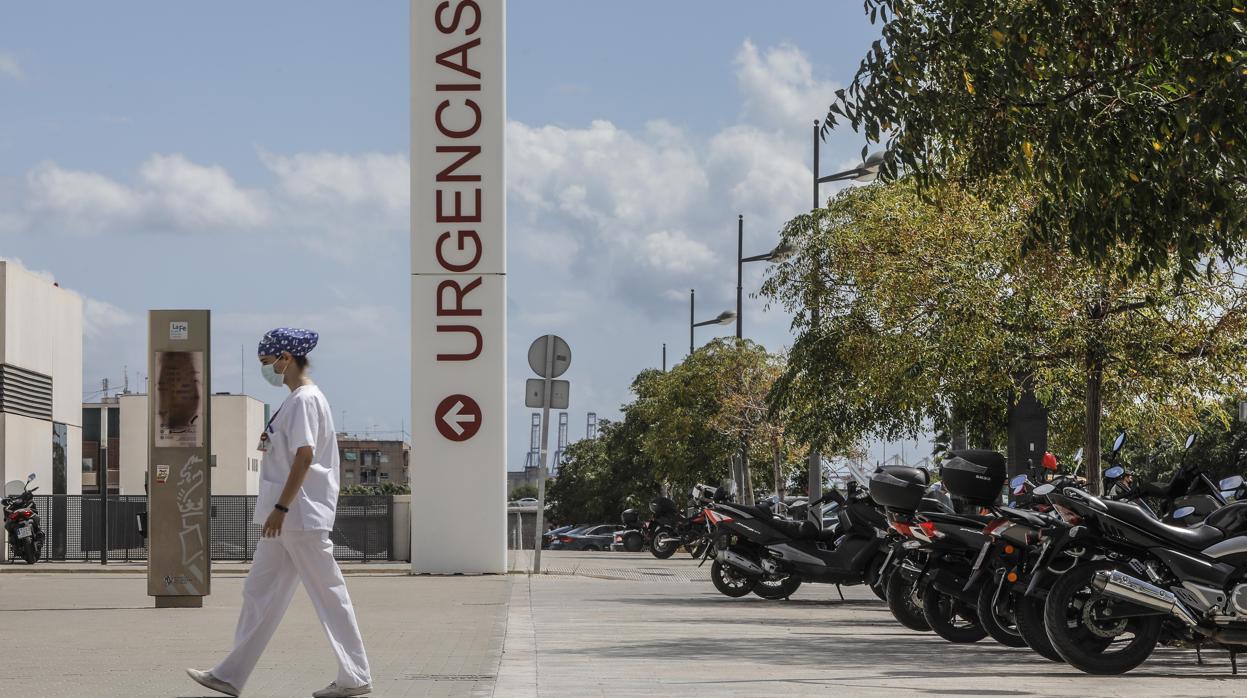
x: 24, y: 532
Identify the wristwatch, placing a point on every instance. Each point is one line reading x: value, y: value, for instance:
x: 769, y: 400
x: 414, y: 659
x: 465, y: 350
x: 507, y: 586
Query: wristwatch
x: 284, y: 510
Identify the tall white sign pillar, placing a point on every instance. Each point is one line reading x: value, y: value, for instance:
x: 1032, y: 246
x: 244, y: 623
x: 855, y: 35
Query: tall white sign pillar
x: 458, y: 286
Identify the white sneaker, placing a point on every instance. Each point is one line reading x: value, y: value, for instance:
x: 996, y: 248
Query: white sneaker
x: 207, y: 680
x: 333, y: 690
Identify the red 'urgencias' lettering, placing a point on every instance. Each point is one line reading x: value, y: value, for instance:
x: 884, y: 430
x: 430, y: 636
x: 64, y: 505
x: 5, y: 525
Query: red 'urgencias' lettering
x: 456, y: 200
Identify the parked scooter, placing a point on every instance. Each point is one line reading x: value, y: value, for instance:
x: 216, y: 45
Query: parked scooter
x: 771, y: 557
x: 21, y: 521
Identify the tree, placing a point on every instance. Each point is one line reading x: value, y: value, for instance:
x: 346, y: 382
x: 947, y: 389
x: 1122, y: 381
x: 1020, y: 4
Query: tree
x: 929, y: 315
x: 601, y: 477
x: 1129, y: 117
x: 708, y: 409
x: 523, y: 491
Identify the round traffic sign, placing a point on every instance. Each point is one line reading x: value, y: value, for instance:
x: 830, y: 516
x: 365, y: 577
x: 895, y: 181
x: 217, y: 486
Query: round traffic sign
x: 458, y: 417
x: 537, y: 355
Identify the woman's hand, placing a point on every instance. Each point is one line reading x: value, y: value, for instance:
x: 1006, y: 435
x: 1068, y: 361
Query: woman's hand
x: 273, y: 524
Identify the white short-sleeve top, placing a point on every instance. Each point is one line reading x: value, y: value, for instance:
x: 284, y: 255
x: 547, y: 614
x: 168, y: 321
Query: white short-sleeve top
x: 304, y: 419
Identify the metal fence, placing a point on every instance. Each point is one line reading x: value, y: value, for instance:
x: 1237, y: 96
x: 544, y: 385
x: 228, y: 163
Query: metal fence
x: 362, y: 530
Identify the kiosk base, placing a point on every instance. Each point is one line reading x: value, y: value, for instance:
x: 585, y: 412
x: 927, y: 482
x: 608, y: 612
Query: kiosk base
x: 179, y: 602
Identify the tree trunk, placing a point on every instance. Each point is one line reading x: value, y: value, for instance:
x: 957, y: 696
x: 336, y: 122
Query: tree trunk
x: 1094, y: 406
x: 779, y: 470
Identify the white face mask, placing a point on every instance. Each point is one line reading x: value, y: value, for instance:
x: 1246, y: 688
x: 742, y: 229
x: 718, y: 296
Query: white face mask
x: 269, y: 371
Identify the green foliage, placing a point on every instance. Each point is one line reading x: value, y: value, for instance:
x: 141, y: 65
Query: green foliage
x: 386, y: 488
x: 601, y: 477
x: 929, y: 315
x: 682, y: 428
x: 1220, y: 448
x: 1129, y: 118
x: 523, y: 491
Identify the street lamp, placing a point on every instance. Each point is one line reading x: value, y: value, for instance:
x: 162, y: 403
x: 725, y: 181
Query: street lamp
x: 782, y: 251
x: 866, y: 172
x: 724, y: 318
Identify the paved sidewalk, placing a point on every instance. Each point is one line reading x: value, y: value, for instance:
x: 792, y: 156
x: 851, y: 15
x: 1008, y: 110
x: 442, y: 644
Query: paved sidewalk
x: 580, y: 637
x: 79, y: 635
x: 603, y: 625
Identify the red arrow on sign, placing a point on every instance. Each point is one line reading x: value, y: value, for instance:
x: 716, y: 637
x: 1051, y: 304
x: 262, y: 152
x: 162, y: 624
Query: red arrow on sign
x: 458, y: 417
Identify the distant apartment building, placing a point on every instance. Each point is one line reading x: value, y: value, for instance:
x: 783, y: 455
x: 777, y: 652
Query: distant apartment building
x: 237, y: 421
x: 368, y: 461
x: 40, y: 380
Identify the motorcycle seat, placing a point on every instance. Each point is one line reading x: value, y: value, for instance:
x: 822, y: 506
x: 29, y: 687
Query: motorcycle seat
x: 1195, y: 537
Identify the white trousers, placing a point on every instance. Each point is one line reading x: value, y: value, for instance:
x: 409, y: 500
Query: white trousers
x: 279, y: 564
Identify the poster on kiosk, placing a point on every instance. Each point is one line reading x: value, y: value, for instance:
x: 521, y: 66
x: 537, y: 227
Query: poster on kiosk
x: 179, y: 568
x: 458, y: 286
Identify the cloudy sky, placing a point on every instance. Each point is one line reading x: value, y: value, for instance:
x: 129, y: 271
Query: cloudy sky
x: 252, y: 158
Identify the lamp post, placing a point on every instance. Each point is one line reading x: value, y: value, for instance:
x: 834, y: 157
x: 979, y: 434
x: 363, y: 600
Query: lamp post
x: 781, y: 252
x: 724, y: 318
x: 866, y: 172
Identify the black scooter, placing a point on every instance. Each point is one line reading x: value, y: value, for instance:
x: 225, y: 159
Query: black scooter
x: 757, y: 552
x: 21, y: 521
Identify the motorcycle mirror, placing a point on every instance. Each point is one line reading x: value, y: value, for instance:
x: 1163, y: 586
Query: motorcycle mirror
x: 1078, y: 455
x: 1114, y: 472
x: 1182, y: 512
x: 1119, y: 442
x: 1190, y: 441
x: 31, y: 478
x: 1017, y: 482
x: 1231, y: 483
x: 1043, y: 490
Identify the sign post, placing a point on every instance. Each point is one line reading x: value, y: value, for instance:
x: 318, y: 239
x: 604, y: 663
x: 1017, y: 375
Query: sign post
x: 179, y: 564
x: 458, y: 286
x: 549, y: 357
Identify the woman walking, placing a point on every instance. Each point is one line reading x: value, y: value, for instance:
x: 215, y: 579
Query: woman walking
x: 296, y: 506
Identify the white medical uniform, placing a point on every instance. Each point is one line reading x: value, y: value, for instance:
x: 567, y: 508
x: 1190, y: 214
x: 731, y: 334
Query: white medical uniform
x: 303, y: 551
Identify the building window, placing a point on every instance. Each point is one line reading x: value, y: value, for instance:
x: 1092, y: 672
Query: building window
x: 351, y: 455
x: 385, y: 477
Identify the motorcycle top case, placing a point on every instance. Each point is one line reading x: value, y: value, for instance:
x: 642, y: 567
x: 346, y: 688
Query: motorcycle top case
x: 976, y: 476
x: 663, y: 505
x: 630, y: 517
x: 898, y: 487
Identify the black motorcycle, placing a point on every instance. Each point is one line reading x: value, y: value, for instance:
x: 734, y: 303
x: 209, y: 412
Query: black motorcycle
x: 759, y: 552
x: 21, y: 521
x: 1143, y: 580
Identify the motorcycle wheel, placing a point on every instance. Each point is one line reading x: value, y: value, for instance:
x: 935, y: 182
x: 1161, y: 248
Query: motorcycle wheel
x: 633, y: 542
x: 1028, y: 611
x: 29, y: 554
x: 662, y: 551
x: 729, y: 581
x: 779, y: 589
x: 1001, y: 628
x: 1078, y: 634
x: 950, y: 618
x: 905, y: 603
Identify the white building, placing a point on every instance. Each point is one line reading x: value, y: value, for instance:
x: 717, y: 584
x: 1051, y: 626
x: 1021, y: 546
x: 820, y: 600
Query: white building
x: 40, y: 381
x: 237, y: 421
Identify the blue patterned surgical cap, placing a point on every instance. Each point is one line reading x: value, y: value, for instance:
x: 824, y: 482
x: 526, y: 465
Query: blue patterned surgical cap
x: 296, y: 341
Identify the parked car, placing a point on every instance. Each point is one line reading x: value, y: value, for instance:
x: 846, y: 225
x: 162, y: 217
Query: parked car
x: 549, y: 536
x: 595, y: 537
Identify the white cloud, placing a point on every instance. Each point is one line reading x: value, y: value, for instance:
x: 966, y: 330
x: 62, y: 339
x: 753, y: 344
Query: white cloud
x: 675, y: 251
x: 173, y: 193
x: 83, y: 199
x: 779, y: 86
x: 196, y: 196
x: 370, y: 179
x: 9, y: 67
x: 100, y: 318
